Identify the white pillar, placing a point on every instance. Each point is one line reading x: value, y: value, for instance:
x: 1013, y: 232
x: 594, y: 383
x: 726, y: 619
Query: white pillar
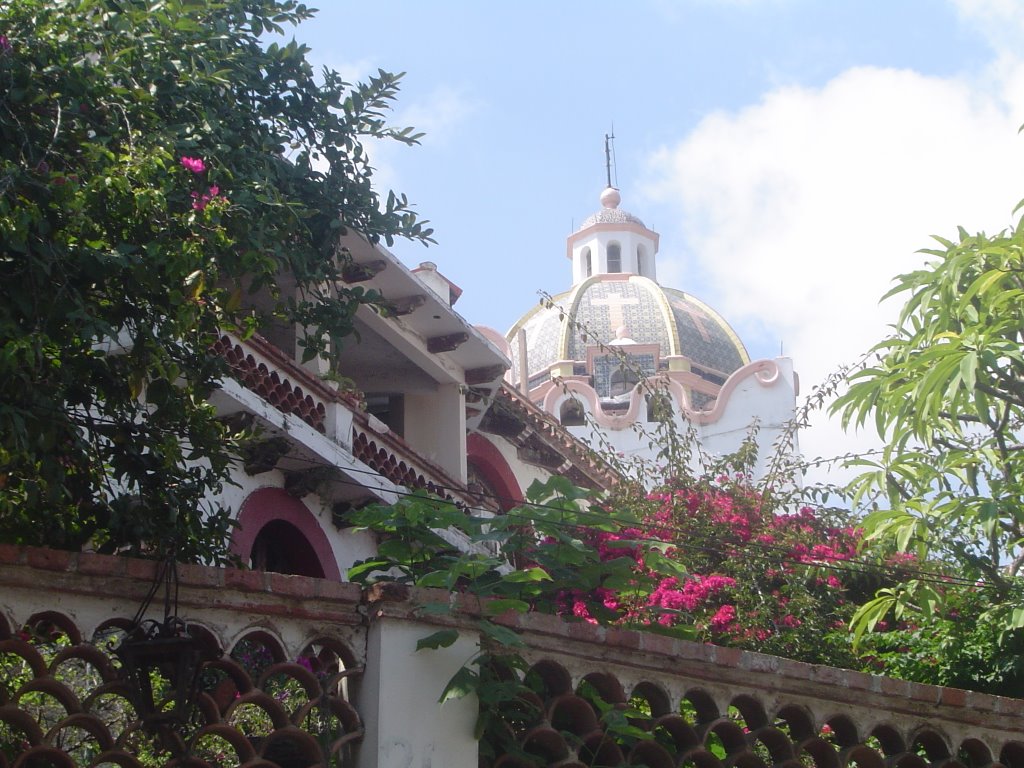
x: 406, y: 726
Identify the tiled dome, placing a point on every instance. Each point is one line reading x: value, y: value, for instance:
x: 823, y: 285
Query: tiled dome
x: 679, y: 323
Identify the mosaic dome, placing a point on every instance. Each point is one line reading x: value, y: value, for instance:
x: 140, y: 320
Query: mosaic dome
x: 603, y: 304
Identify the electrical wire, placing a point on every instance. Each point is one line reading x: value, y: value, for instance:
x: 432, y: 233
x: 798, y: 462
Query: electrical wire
x: 852, y: 566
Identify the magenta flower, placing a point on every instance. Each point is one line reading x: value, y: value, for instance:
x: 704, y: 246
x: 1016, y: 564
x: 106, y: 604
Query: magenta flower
x: 723, y: 618
x: 194, y: 164
x: 5, y: 44
x: 199, y: 202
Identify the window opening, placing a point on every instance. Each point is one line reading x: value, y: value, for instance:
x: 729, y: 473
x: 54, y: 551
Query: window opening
x: 280, y: 547
x: 571, y: 413
x: 614, y: 257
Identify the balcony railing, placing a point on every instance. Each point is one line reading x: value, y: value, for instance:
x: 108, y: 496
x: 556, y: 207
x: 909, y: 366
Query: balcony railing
x: 264, y: 370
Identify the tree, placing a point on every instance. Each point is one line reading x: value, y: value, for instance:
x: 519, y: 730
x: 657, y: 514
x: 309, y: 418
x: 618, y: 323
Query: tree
x: 159, y: 162
x: 946, y: 393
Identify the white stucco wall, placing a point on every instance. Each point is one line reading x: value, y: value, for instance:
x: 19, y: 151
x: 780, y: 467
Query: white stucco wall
x: 766, y: 398
x: 435, y: 427
x: 398, y: 697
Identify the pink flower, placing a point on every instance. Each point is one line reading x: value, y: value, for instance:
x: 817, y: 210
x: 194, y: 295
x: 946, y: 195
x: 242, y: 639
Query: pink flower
x: 5, y: 44
x: 723, y: 617
x: 194, y: 164
x: 199, y: 202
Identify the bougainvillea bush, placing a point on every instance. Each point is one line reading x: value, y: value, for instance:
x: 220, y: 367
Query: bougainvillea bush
x: 743, y: 572
x: 712, y: 560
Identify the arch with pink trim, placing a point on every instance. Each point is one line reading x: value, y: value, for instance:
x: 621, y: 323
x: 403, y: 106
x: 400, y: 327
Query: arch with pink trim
x: 287, y: 522
x: 487, y: 460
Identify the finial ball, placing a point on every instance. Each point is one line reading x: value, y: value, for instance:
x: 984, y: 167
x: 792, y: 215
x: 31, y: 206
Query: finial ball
x: 611, y: 198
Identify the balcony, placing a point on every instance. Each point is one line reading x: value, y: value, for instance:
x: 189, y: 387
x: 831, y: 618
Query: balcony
x: 325, y: 427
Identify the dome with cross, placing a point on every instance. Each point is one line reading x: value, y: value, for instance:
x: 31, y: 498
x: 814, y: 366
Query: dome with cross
x: 618, y: 357
x: 616, y: 301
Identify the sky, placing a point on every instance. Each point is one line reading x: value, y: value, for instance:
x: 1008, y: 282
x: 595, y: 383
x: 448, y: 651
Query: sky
x: 794, y: 155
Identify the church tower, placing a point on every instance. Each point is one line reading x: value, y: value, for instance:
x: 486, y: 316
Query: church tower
x: 584, y: 356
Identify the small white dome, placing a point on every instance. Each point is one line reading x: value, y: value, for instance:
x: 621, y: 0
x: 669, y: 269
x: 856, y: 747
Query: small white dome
x: 610, y: 213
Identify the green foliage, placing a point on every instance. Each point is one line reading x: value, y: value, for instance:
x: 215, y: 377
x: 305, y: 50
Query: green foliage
x: 946, y: 393
x: 160, y: 163
x: 959, y: 647
x: 705, y: 559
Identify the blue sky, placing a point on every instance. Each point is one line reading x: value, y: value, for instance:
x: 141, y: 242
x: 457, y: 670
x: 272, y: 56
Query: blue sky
x: 793, y: 154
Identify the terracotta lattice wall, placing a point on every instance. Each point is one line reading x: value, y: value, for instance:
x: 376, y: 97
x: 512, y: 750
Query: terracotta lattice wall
x: 293, y: 686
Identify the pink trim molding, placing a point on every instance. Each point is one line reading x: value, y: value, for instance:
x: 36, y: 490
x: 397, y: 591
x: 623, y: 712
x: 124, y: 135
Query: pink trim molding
x: 268, y: 504
x: 492, y: 465
x: 765, y: 372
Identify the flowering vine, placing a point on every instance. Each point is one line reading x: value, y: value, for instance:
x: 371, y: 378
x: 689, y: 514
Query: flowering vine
x: 197, y: 166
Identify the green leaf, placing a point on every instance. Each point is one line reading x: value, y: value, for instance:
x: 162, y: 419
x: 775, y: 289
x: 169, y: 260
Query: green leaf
x: 440, y: 639
x: 463, y: 683
x: 866, y: 618
x: 501, y: 635
x: 527, y: 575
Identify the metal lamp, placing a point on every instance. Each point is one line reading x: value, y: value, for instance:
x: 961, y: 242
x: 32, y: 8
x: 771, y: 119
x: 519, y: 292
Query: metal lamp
x: 161, y: 661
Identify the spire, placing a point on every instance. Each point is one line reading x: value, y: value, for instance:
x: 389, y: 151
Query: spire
x: 612, y: 241
x: 608, y: 150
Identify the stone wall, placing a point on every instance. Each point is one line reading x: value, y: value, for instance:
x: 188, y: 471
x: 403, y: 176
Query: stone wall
x: 338, y: 660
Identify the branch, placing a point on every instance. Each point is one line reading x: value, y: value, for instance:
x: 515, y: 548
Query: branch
x: 1013, y: 393
x: 967, y: 417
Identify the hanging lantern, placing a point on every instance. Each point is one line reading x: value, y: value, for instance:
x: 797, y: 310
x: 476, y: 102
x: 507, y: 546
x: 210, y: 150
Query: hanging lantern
x: 161, y: 661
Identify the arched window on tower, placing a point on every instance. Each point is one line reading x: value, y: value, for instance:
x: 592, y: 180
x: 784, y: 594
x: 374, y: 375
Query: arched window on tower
x: 588, y: 269
x: 614, y: 257
x: 659, y: 407
x: 641, y: 261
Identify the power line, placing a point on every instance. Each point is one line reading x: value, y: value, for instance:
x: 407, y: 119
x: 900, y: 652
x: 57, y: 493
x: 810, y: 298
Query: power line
x: 852, y: 565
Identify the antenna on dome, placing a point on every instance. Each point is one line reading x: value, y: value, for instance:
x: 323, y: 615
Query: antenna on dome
x: 609, y: 154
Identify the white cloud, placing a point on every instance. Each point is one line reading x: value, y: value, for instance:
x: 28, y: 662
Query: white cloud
x: 440, y: 115
x: 1002, y: 21
x: 802, y: 208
